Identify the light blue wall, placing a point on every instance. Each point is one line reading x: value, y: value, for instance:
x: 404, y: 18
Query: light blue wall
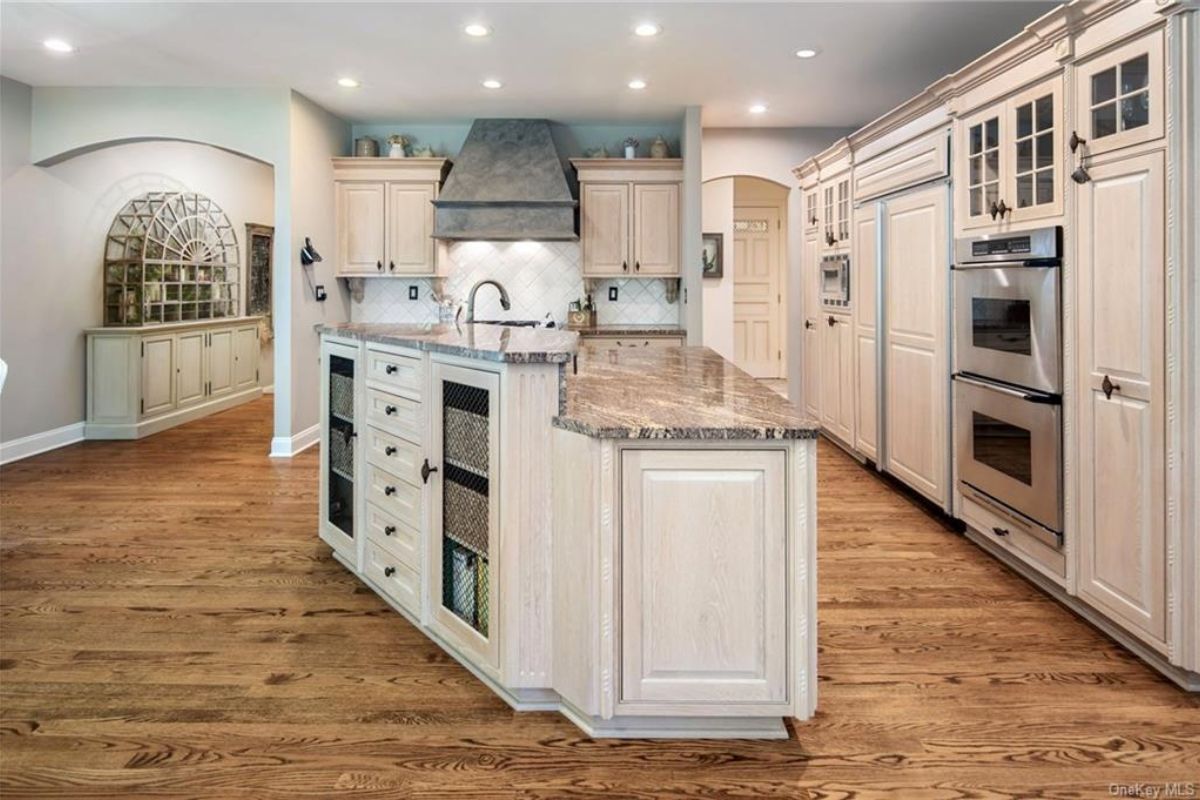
x: 447, y: 138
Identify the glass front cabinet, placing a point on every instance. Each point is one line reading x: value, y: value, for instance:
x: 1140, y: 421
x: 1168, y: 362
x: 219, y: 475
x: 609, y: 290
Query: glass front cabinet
x: 1010, y: 159
x: 1119, y: 96
x: 465, y: 438
x: 835, y: 212
x: 340, y: 479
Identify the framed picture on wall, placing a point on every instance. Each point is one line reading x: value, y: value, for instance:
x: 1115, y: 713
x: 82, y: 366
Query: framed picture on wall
x: 712, y: 253
x: 260, y: 242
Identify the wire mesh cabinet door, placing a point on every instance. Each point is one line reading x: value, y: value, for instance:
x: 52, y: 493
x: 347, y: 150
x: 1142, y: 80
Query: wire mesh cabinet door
x: 340, y: 474
x: 464, y: 447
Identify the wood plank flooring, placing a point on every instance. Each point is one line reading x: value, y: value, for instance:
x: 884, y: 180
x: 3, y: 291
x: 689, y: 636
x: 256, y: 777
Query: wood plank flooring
x: 172, y: 627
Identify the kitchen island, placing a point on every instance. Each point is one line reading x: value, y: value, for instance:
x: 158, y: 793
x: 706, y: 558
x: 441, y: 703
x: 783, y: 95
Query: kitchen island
x: 627, y: 536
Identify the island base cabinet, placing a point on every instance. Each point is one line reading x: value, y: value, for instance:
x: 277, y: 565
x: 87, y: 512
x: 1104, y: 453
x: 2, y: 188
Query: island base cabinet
x: 704, y: 581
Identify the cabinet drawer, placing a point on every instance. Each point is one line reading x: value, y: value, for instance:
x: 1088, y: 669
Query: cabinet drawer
x: 398, y: 581
x: 1014, y: 534
x: 634, y: 341
x: 403, y: 541
x: 397, y: 373
x: 399, y: 415
x: 398, y: 456
x: 394, y: 495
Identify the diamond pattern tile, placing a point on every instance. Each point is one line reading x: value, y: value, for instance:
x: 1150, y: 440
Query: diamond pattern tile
x: 541, y: 277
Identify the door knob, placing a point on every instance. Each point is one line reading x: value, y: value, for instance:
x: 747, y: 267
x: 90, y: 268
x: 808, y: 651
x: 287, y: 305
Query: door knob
x: 1108, y: 387
x: 426, y: 471
x: 388, y: 530
x: 389, y: 571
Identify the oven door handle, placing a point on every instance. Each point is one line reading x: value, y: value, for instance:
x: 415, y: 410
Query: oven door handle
x: 1040, y: 398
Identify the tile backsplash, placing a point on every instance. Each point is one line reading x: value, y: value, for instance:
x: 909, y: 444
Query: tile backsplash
x: 541, y: 277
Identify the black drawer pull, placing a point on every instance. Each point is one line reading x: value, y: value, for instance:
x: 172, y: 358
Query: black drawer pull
x: 389, y: 572
x: 389, y: 450
x: 426, y: 471
x: 388, y: 530
x: 390, y: 410
x: 389, y: 490
x: 390, y: 369
x: 1000, y: 531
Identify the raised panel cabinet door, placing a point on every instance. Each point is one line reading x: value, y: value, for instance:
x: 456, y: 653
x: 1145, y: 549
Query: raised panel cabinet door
x: 811, y: 365
x: 189, y: 368
x: 704, y: 578
x: 245, y: 357
x: 863, y: 289
x: 1119, y: 96
x: 831, y: 364
x: 1120, y: 429
x: 361, y: 232
x: 656, y: 229
x: 605, y: 224
x: 220, y: 362
x: 410, y: 248
x: 847, y: 366
x: 158, y: 374
x: 917, y: 354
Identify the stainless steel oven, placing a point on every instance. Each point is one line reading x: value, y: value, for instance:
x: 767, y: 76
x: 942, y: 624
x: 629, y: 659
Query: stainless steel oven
x: 835, y: 281
x: 1007, y: 308
x: 1009, y: 447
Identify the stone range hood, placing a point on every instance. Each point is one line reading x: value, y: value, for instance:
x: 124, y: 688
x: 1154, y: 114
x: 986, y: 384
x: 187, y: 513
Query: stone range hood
x: 508, y: 183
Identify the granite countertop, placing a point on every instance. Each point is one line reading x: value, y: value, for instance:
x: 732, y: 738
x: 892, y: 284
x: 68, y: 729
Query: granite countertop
x: 673, y: 393
x: 630, y: 330
x: 488, y: 342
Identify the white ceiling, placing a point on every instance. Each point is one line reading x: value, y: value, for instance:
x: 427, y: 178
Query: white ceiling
x: 566, y: 61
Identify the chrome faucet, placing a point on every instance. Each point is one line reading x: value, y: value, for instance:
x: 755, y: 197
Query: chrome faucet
x: 505, y: 303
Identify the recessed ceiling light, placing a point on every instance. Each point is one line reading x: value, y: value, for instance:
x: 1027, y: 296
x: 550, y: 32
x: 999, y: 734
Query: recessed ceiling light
x: 637, y: 83
x: 806, y: 52
x: 758, y: 108
x: 492, y: 83
x: 348, y: 83
x: 477, y: 30
x: 647, y: 29
x: 58, y: 46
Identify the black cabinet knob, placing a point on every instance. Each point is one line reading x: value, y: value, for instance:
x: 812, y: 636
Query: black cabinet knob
x: 388, y: 530
x: 390, y: 450
x: 379, y: 266
x: 1076, y: 140
x: 624, y: 266
x: 637, y: 266
x: 389, y: 572
x: 808, y: 323
x: 390, y: 410
x: 391, y: 266
x: 1000, y: 531
x: 390, y: 369
x: 389, y: 490
x: 426, y: 471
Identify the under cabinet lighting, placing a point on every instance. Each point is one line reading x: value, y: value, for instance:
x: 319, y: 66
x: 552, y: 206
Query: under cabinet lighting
x: 647, y: 29
x: 637, y: 83
x: 348, y: 83
x: 477, y: 30
x: 492, y: 83
x: 58, y: 46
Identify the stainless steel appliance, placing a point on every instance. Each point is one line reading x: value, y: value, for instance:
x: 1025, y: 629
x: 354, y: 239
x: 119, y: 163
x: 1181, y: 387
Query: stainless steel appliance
x: 1008, y: 381
x: 1007, y: 308
x: 835, y: 281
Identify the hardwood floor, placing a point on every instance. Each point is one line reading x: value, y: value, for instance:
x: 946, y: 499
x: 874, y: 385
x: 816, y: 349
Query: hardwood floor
x: 172, y: 627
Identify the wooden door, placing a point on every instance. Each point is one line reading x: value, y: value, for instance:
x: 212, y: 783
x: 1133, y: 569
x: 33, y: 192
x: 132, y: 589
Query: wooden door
x: 757, y: 294
x: 656, y: 229
x: 189, y: 369
x: 360, y: 227
x: 810, y: 264
x: 410, y: 249
x: 1120, y: 433
x: 863, y: 294
x: 245, y: 357
x: 703, y: 625
x: 917, y: 283
x: 220, y: 362
x: 158, y: 374
x: 604, y: 212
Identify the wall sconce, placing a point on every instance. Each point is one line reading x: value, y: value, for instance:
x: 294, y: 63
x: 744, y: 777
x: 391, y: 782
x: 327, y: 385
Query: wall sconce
x: 308, y: 253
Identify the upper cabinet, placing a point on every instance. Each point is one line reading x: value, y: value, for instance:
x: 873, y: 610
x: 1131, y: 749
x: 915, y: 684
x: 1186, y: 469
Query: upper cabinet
x: 1010, y: 159
x: 835, y: 212
x: 384, y: 211
x: 1119, y: 96
x: 629, y: 217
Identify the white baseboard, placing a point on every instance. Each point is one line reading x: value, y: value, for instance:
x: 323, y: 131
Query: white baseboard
x: 33, y: 444
x: 288, y: 446
x: 269, y: 389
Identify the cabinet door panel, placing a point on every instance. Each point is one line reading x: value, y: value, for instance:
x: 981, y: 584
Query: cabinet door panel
x: 245, y: 358
x: 340, y: 495
x: 1120, y: 99
x: 810, y: 266
x: 1122, y: 568
x: 656, y: 229
x: 917, y: 270
x: 158, y: 374
x: 360, y: 227
x: 189, y: 372
x: 1034, y: 177
x: 410, y: 229
x: 220, y: 362
x: 980, y: 172
x: 605, y: 224
x: 863, y: 294
x: 704, y: 560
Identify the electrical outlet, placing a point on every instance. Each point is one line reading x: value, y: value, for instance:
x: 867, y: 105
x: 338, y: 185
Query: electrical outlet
x: 612, y: 294
x: 412, y: 293
x: 319, y: 293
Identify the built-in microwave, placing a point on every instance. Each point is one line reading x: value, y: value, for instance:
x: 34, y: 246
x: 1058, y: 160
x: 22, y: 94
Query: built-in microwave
x: 835, y: 281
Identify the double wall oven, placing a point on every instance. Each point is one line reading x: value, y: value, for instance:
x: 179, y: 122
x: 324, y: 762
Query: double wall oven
x: 1008, y: 373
